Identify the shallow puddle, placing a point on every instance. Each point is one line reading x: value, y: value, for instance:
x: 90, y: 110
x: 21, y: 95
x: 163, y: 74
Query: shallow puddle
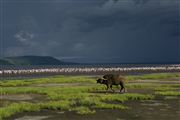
x: 33, y: 118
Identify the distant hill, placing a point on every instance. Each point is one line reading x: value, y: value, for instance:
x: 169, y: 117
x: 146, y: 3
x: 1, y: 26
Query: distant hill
x: 32, y: 60
x: 4, y: 62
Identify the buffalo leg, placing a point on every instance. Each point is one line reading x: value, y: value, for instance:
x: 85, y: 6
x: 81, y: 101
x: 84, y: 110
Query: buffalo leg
x: 122, y: 87
x: 111, y: 88
x: 107, y: 87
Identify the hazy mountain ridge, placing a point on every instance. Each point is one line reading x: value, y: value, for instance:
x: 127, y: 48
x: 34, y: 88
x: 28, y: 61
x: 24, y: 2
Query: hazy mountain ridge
x: 32, y: 60
x: 4, y: 62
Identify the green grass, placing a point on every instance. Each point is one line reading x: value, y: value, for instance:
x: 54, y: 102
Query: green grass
x: 102, y: 105
x: 152, y: 86
x: 83, y: 99
x: 142, y: 85
x: 168, y: 93
x: 125, y: 97
x: 170, y: 97
x: 175, y: 85
x: 79, y: 79
x: 83, y: 110
x: 57, y: 105
x: 153, y: 76
x: 57, y: 79
x: 17, y: 108
x: 80, y: 99
x: 165, y: 88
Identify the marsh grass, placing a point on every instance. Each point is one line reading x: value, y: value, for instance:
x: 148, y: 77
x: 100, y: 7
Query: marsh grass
x: 81, y: 99
x: 153, y: 76
x: 17, y: 108
x: 174, y: 85
x: 168, y: 93
x: 103, y: 105
x: 82, y: 110
x: 80, y: 79
x: 142, y: 85
x: 59, y: 79
x: 156, y: 87
x: 166, y: 88
x: 57, y: 105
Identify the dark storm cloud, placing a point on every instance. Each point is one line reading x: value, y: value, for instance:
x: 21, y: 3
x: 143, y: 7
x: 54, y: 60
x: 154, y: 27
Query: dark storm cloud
x: 94, y: 31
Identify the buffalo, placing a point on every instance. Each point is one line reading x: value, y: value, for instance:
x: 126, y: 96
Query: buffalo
x: 112, y: 79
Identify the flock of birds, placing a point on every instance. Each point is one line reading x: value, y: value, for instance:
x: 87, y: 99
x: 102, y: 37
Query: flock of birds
x: 90, y: 70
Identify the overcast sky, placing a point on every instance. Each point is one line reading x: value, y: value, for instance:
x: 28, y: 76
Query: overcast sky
x: 92, y: 31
